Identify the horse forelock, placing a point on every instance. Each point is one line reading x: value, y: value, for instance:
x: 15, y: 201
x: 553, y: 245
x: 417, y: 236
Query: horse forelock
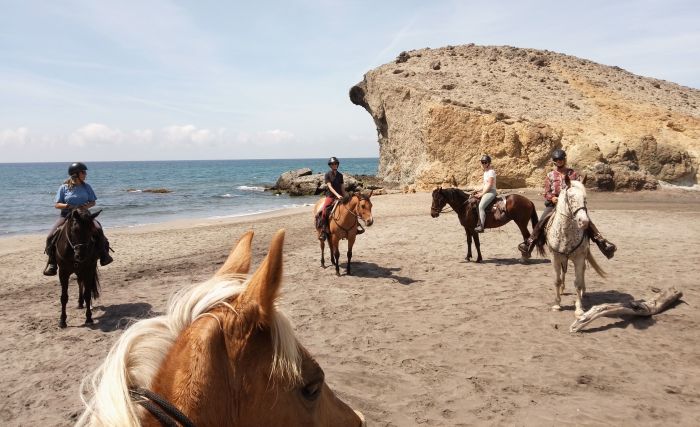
x: 137, y: 355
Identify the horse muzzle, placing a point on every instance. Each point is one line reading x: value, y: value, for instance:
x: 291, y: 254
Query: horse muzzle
x: 369, y: 222
x: 434, y: 214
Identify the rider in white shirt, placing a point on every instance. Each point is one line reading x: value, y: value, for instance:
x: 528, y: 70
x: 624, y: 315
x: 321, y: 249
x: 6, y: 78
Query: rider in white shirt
x: 488, y: 191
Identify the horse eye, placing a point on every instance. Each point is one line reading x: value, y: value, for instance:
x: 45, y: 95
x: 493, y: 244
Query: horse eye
x: 312, y: 390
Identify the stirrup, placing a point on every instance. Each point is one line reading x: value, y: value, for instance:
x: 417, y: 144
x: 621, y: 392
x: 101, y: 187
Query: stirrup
x: 50, y: 270
x: 360, y: 230
x: 608, y: 249
x: 524, y: 248
x: 322, y: 236
x: 106, y: 259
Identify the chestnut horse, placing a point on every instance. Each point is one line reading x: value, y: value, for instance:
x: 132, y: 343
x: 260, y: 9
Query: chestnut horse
x: 77, y: 252
x: 343, y: 223
x: 567, y: 239
x: 222, y: 355
x: 518, y: 209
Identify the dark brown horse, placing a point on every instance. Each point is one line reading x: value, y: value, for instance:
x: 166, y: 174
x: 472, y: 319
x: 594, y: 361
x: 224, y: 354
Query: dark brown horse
x: 518, y: 209
x: 77, y: 252
x: 343, y: 223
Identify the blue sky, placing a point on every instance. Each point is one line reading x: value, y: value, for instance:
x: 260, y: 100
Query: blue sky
x: 161, y: 79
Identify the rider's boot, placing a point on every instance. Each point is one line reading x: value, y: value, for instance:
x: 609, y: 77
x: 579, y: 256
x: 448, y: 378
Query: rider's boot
x: 51, y: 267
x: 479, y: 227
x: 527, y: 246
x: 606, y: 247
x: 103, y: 245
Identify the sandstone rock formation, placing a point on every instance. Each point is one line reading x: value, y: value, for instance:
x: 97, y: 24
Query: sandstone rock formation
x: 438, y: 110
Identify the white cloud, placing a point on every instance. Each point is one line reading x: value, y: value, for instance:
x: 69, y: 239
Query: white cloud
x: 14, y: 137
x: 95, y: 134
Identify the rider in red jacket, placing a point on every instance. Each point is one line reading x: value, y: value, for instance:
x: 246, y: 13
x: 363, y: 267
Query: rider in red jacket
x: 553, y: 184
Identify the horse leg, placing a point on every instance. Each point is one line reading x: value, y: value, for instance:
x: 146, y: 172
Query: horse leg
x: 351, y: 241
x: 558, y: 282
x: 336, y: 254
x: 63, y: 277
x: 81, y: 298
x: 522, y: 225
x: 323, y: 254
x: 579, y: 283
x: 469, y: 245
x: 477, y: 245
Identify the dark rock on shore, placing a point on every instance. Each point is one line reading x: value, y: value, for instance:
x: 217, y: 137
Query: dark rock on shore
x: 303, y: 182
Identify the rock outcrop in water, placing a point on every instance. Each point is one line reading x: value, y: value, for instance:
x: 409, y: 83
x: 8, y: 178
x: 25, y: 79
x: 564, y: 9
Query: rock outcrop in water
x: 438, y: 110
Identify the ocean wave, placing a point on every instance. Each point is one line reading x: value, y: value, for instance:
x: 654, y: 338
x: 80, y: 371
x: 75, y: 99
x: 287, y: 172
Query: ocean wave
x: 133, y: 190
x: 668, y: 186
x: 250, y: 188
x: 227, y: 196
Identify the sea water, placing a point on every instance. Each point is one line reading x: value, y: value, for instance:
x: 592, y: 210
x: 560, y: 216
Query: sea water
x: 196, y: 189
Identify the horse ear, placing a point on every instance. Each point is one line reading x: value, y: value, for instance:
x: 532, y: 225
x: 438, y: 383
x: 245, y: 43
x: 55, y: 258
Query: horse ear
x: 264, y: 286
x: 238, y: 261
x: 93, y: 216
x: 370, y: 193
x: 567, y: 181
x: 75, y: 214
x: 583, y: 180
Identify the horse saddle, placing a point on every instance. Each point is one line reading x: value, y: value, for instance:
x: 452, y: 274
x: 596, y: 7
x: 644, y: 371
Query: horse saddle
x: 497, y: 207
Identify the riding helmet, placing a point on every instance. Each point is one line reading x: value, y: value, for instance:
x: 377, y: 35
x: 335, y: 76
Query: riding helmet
x: 559, y: 154
x: 76, y: 167
x: 333, y: 159
x: 486, y: 159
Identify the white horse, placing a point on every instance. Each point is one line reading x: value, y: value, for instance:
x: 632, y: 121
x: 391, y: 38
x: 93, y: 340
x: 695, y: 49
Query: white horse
x: 567, y: 239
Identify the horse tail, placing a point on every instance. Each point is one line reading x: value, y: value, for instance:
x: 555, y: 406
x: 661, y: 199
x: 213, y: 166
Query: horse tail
x: 598, y: 269
x: 94, y: 285
x: 540, y: 245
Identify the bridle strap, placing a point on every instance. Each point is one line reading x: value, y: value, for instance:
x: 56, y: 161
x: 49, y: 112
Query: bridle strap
x: 357, y: 217
x: 167, y: 414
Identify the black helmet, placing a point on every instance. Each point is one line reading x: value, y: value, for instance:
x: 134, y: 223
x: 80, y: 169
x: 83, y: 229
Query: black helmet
x: 333, y: 159
x: 559, y: 154
x: 485, y: 159
x: 76, y: 167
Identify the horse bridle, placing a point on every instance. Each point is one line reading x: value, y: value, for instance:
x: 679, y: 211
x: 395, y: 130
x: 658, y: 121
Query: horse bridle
x: 568, y: 205
x: 356, y: 215
x: 444, y: 207
x: 165, y: 412
x: 72, y: 245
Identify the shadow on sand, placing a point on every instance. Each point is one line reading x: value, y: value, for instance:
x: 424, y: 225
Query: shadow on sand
x: 120, y: 316
x: 374, y: 271
x: 515, y: 261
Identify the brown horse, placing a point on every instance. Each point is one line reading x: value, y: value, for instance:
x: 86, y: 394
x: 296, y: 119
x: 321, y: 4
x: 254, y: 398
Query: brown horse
x: 518, y: 209
x: 343, y: 223
x: 222, y: 355
x: 77, y: 252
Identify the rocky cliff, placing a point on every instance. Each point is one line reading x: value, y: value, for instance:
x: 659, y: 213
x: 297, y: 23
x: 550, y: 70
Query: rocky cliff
x: 438, y: 110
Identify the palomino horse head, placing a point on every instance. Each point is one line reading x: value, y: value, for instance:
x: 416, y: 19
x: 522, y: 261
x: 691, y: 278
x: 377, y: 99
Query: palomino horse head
x: 574, y: 202
x: 82, y: 235
x: 439, y: 202
x: 222, y: 355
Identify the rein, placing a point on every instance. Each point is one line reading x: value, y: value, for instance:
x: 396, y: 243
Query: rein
x: 356, y: 215
x: 571, y: 218
x: 70, y: 242
x: 164, y: 411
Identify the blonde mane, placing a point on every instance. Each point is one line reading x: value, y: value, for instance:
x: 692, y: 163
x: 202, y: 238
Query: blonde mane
x: 135, y: 358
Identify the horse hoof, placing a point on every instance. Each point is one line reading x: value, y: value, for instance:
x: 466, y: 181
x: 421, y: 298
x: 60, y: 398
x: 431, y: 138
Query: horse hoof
x: 89, y: 321
x: 556, y: 307
x: 62, y: 324
x: 81, y: 306
x: 578, y: 313
x: 479, y: 260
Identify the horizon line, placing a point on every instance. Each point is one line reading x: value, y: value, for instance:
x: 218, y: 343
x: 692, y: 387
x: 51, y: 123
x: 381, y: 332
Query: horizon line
x: 181, y: 160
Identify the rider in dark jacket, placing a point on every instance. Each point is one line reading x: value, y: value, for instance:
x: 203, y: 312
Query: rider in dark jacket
x: 553, y: 184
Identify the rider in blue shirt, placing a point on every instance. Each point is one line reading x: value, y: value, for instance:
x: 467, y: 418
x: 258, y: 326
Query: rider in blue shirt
x: 74, y: 193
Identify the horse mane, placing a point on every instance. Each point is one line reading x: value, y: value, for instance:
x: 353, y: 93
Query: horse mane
x: 579, y: 186
x: 137, y: 355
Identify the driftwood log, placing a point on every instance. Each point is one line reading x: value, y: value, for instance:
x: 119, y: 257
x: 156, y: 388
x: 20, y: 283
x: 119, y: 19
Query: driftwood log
x: 641, y: 307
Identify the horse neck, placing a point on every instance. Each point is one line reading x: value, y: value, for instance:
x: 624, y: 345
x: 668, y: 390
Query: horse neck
x: 456, y: 199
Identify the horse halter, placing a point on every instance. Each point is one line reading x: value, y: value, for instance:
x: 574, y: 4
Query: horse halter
x: 165, y: 412
x: 74, y: 246
x: 446, y: 208
x: 570, y: 208
x: 355, y: 214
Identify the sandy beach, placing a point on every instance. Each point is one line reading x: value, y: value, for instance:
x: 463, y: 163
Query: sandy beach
x: 417, y: 336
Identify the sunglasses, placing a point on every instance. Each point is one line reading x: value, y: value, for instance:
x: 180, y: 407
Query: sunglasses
x: 334, y: 163
x: 484, y: 163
